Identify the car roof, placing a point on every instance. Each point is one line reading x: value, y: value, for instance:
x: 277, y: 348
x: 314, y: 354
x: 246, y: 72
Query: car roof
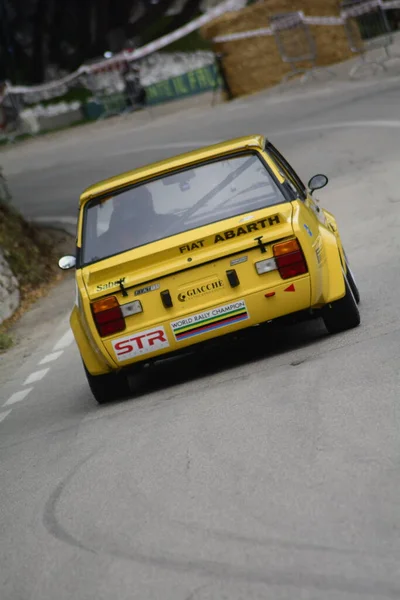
x: 175, y: 162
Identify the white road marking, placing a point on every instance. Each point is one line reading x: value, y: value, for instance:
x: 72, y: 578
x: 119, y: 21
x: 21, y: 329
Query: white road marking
x: 17, y: 397
x: 342, y: 125
x: 51, y: 357
x: 36, y: 376
x: 65, y: 341
x: 5, y: 414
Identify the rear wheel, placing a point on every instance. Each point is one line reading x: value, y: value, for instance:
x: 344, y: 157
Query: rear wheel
x: 108, y: 387
x: 342, y: 314
x: 352, y: 283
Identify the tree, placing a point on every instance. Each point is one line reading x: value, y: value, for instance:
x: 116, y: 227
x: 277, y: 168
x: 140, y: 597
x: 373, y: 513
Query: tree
x: 65, y: 33
x: 190, y: 10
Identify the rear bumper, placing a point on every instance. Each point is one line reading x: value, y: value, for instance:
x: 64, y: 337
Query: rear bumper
x: 172, y: 337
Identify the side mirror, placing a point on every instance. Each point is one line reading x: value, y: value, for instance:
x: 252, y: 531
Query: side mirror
x: 67, y: 262
x: 317, y: 183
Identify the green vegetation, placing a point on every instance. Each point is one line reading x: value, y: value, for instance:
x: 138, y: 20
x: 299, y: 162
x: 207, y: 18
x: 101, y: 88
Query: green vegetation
x: 32, y: 255
x: 29, y: 252
x: 191, y: 42
x: 5, y: 342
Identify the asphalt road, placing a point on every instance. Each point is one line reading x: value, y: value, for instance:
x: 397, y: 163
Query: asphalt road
x: 250, y: 474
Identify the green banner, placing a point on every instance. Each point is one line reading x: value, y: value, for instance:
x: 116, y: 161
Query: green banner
x: 198, y: 81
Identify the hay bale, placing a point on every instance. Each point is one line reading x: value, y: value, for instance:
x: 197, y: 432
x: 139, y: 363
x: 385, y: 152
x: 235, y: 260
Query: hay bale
x: 253, y: 64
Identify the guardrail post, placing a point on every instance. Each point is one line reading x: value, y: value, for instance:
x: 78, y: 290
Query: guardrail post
x: 220, y: 74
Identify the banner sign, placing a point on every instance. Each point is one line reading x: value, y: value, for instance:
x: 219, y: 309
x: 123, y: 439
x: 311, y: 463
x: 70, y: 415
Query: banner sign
x: 201, y: 80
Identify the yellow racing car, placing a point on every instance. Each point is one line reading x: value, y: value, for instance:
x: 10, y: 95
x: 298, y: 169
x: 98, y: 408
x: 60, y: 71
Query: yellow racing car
x: 177, y: 253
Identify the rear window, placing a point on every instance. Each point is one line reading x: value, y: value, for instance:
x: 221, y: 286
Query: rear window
x: 176, y: 203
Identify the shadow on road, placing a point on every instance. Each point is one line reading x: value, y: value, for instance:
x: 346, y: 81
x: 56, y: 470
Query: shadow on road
x: 252, y: 346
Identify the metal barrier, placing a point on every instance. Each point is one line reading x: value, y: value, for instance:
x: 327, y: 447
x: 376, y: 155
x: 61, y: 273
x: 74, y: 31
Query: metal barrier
x: 296, y: 44
x: 221, y: 84
x: 367, y: 28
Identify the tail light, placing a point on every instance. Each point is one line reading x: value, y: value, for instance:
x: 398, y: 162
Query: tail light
x: 108, y: 316
x: 290, y: 259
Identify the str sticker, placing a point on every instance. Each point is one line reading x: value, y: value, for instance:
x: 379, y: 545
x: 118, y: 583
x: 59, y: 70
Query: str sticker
x: 215, y: 318
x: 139, y: 343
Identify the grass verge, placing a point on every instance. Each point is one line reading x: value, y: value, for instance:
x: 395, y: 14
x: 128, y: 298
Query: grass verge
x: 5, y: 342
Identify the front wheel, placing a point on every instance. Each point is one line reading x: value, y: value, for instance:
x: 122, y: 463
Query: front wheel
x: 342, y: 314
x: 108, y: 387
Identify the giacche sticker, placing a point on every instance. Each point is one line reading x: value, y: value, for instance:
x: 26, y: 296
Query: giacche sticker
x: 215, y: 318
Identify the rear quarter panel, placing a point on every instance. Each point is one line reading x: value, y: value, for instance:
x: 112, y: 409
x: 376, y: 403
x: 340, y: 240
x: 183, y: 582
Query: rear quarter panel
x: 322, y: 253
x: 91, y: 348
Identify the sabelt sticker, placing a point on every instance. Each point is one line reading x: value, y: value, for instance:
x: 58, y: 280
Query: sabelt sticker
x: 215, y: 318
x: 141, y: 342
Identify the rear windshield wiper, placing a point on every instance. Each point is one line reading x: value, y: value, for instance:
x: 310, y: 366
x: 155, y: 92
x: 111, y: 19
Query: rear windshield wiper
x: 212, y: 193
x: 123, y: 289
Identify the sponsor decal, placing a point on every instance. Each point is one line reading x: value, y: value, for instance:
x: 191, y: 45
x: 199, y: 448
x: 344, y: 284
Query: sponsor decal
x: 291, y: 288
x: 200, y: 290
x: 318, y: 249
x: 192, y: 246
x: 139, y: 343
x: 209, y: 320
x: 306, y: 227
x: 233, y: 233
x: 245, y: 229
x: 238, y: 261
x: 105, y: 286
x: 148, y: 288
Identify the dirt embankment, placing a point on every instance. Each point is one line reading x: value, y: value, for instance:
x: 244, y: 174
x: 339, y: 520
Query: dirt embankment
x: 32, y: 255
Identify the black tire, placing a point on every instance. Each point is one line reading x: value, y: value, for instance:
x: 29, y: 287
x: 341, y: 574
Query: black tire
x: 342, y: 314
x: 352, y: 283
x: 108, y: 387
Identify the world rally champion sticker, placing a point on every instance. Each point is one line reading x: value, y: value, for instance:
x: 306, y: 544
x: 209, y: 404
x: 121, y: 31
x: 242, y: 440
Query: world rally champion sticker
x: 220, y: 316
